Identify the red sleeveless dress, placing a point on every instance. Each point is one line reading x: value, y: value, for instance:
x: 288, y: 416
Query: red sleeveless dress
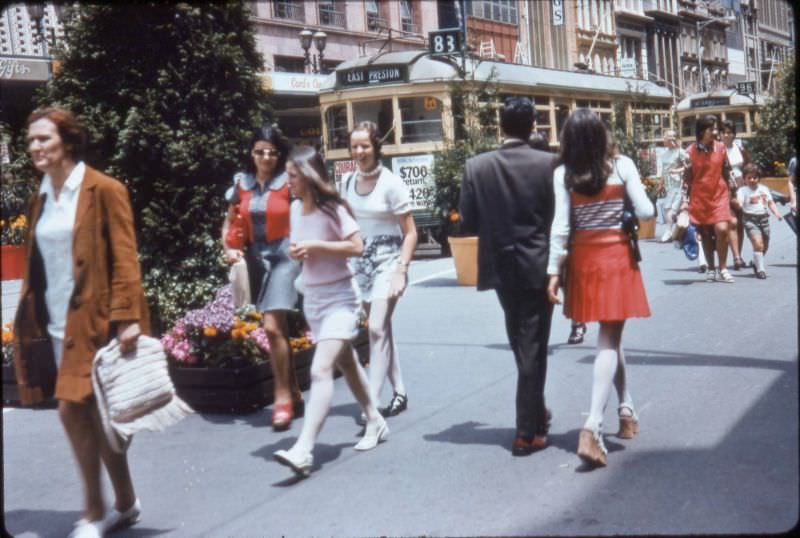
x: 710, y: 198
x: 603, y: 279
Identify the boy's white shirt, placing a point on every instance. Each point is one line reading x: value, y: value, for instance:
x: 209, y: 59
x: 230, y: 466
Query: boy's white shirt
x: 754, y: 201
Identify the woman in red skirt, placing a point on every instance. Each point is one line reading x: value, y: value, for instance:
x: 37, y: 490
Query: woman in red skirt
x: 603, y: 281
x: 709, y: 183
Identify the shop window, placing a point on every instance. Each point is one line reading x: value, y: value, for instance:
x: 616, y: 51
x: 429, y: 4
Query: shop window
x: 379, y: 112
x: 738, y: 121
x: 687, y: 126
x: 336, y: 123
x: 422, y: 119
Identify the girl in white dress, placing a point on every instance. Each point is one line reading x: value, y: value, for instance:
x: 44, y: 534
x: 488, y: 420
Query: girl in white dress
x: 380, y: 202
x: 323, y: 235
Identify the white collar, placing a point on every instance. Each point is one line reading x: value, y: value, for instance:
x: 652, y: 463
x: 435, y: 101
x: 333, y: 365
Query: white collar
x: 247, y: 181
x: 73, y: 182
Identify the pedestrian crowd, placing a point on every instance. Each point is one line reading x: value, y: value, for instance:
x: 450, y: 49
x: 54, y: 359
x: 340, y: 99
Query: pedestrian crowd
x: 552, y: 229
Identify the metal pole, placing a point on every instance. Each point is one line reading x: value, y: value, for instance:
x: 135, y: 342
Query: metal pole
x: 700, y: 49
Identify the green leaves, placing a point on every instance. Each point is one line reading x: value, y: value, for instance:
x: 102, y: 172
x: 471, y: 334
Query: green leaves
x: 776, y: 137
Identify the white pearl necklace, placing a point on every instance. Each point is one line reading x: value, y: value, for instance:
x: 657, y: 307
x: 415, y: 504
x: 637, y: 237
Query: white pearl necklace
x: 375, y: 171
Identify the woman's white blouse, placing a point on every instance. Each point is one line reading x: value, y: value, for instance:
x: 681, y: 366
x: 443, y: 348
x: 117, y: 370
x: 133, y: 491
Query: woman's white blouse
x: 377, y: 212
x: 624, y: 172
x: 736, y: 159
x: 54, y: 240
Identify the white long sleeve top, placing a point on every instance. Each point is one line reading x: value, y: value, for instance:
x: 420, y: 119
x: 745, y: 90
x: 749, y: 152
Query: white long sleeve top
x: 623, y: 172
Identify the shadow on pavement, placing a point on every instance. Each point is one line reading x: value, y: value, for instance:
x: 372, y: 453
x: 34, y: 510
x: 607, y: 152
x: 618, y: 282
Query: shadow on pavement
x: 449, y: 282
x: 53, y: 523
x: 257, y: 418
x: 647, y: 357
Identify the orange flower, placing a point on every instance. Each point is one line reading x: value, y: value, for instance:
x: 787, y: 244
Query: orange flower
x: 8, y: 336
x: 209, y: 332
x: 237, y: 333
x: 454, y: 216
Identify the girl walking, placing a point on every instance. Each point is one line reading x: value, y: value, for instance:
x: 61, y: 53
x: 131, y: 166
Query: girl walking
x: 380, y: 202
x: 323, y: 235
x: 603, y: 279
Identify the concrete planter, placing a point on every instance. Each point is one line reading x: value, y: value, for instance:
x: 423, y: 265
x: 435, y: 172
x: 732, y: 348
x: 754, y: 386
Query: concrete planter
x: 465, y: 257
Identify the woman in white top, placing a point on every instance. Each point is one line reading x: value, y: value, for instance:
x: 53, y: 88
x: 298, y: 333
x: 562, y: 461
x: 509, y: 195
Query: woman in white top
x: 380, y: 202
x: 323, y: 235
x: 603, y: 281
x: 737, y: 158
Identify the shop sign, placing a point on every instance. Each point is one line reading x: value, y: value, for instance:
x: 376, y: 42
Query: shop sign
x: 18, y: 69
x: 293, y: 83
x: 375, y: 74
x: 416, y: 171
x: 558, y: 12
x: 710, y: 101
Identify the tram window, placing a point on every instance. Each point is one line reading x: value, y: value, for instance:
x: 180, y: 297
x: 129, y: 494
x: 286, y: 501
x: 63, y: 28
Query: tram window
x: 541, y: 100
x: 562, y: 113
x: 336, y: 121
x: 379, y: 112
x: 542, y: 118
x: 422, y: 119
x: 738, y: 121
x: 582, y: 104
x: 687, y: 126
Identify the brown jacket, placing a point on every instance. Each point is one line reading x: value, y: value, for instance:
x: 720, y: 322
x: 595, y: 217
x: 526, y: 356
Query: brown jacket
x: 107, y: 290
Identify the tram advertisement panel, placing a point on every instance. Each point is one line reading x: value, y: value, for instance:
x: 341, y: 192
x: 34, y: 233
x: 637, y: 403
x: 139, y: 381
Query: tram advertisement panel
x: 341, y: 169
x: 416, y: 171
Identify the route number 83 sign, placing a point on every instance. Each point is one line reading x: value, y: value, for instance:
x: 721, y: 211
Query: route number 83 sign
x: 447, y: 41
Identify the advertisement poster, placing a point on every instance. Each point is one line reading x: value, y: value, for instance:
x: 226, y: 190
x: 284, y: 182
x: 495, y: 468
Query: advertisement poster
x: 416, y: 171
x: 342, y: 169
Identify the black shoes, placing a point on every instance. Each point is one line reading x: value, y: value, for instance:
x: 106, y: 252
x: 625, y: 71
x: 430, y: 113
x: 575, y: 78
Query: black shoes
x: 397, y: 405
x: 576, y: 335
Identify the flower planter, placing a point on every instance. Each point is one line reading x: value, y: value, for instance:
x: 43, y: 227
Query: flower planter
x: 12, y: 262
x: 465, y: 257
x: 239, y: 390
x: 647, y: 229
x: 780, y: 184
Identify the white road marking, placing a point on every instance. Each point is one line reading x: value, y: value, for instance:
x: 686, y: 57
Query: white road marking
x: 431, y: 277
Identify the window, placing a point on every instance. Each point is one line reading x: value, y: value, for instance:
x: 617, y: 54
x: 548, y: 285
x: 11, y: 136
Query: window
x: 289, y: 9
x: 288, y: 64
x: 738, y: 121
x: 379, y: 112
x: 494, y: 10
x: 374, y: 19
x: 407, y: 17
x: 687, y: 126
x: 331, y: 13
x: 336, y: 123
x: 422, y: 119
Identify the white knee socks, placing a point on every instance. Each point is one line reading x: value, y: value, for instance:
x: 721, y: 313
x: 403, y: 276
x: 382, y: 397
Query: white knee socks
x: 605, y: 366
x: 758, y: 259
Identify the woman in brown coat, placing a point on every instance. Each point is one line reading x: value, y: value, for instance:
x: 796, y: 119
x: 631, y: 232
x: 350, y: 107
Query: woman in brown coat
x: 81, y: 287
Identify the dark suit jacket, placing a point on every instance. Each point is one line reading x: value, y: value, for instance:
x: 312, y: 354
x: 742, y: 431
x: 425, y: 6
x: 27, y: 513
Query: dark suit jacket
x: 107, y: 290
x: 507, y: 201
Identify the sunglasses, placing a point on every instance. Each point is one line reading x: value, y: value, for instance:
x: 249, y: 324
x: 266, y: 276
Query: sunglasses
x: 266, y: 152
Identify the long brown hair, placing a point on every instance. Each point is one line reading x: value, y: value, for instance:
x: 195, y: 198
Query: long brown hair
x: 311, y: 166
x: 585, y: 151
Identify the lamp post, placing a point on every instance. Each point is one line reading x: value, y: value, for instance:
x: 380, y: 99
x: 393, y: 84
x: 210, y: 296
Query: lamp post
x: 319, y: 38
x: 700, y: 26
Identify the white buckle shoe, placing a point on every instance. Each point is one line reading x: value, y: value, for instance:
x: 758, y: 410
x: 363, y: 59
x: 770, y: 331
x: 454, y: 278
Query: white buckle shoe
x: 115, y: 520
x: 375, y: 433
x: 87, y: 529
x: 300, y: 465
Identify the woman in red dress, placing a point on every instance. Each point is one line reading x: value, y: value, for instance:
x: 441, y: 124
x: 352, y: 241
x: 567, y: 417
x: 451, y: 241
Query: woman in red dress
x: 708, y: 181
x: 603, y: 280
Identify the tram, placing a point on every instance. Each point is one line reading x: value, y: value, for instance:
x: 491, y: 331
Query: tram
x: 408, y: 95
x: 742, y: 110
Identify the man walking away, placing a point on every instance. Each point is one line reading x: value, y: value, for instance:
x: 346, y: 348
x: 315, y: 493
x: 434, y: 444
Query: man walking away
x: 507, y: 201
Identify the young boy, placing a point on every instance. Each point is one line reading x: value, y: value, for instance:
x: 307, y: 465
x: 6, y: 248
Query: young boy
x: 755, y: 199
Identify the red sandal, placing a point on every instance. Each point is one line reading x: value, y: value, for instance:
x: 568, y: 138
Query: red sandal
x: 282, y: 415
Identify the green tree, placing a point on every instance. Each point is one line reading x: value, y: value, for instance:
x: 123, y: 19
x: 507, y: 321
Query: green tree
x: 776, y: 136
x: 170, y: 95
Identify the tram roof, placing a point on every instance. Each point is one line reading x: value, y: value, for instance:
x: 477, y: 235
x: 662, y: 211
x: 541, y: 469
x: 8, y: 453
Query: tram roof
x: 424, y: 68
x: 732, y: 97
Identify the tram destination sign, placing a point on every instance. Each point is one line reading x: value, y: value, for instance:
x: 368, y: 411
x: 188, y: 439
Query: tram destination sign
x: 710, y: 101
x: 373, y: 74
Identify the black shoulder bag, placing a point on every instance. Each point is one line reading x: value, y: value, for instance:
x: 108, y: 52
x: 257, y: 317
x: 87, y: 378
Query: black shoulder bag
x: 630, y: 222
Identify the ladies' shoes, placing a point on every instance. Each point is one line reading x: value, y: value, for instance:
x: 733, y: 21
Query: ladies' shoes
x: 738, y: 264
x: 115, y: 520
x: 282, y: 415
x: 87, y: 529
x: 301, y: 465
x: 711, y: 275
x: 397, y: 405
x: 591, y: 448
x: 761, y: 274
x: 628, y: 424
x: 374, y: 434
x: 725, y: 276
x: 576, y: 333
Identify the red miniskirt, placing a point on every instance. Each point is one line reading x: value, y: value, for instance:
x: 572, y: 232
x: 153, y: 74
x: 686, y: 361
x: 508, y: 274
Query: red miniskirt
x: 603, y: 280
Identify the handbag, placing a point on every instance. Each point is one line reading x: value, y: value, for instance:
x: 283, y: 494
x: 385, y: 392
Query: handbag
x: 681, y: 225
x: 630, y: 222
x: 134, y: 391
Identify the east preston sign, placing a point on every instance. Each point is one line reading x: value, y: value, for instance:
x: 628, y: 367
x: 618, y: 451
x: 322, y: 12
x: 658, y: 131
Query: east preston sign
x: 374, y: 74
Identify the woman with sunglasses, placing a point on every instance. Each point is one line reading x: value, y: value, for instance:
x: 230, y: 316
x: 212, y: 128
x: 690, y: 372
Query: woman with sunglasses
x: 261, y: 197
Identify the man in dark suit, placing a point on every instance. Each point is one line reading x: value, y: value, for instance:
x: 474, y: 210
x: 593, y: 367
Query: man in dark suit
x: 507, y: 201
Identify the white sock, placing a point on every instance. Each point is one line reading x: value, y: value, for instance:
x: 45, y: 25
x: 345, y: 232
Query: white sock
x: 319, y: 401
x: 758, y: 258
x: 605, y: 366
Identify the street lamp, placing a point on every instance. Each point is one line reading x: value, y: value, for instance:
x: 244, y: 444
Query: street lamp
x: 700, y: 25
x: 314, y: 61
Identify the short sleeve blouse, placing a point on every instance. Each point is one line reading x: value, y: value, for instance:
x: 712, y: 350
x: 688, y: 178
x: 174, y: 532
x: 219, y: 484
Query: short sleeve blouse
x: 377, y: 212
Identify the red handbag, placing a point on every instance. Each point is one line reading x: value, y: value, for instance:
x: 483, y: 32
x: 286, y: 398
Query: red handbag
x: 236, y: 236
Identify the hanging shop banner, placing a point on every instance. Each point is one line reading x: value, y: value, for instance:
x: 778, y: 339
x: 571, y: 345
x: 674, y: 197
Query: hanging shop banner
x: 416, y: 171
x: 24, y: 69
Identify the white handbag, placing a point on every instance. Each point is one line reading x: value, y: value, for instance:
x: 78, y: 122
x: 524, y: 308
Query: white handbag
x: 134, y: 391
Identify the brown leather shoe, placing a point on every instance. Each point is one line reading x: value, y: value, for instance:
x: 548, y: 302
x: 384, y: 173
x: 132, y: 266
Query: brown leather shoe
x: 628, y: 424
x: 591, y: 448
x: 525, y: 447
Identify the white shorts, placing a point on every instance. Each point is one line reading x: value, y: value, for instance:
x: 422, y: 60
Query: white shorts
x: 331, y: 310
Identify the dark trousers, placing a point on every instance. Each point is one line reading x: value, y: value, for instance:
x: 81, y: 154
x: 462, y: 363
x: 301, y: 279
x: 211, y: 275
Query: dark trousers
x: 528, y: 314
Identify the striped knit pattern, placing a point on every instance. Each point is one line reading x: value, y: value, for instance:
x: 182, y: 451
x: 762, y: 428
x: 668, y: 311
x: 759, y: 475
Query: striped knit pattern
x: 601, y: 215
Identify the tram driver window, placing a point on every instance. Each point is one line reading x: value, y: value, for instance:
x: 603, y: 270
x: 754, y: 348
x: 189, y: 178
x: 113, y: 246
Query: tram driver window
x: 336, y: 121
x: 687, y: 127
x: 738, y: 121
x: 422, y: 119
x: 379, y: 112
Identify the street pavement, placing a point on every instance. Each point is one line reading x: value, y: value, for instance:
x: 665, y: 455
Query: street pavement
x: 713, y: 374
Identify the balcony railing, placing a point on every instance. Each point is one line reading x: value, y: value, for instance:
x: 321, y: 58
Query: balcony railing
x: 289, y: 10
x: 375, y: 22
x: 331, y: 17
x: 409, y: 26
